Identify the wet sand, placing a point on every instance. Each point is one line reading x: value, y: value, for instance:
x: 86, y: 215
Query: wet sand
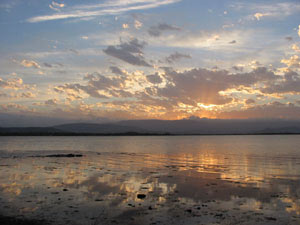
x: 139, y: 188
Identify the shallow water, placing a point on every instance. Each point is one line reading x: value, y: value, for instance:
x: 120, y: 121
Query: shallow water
x: 183, y: 179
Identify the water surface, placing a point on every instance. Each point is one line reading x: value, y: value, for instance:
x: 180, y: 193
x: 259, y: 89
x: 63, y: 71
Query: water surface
x: 152, y: 180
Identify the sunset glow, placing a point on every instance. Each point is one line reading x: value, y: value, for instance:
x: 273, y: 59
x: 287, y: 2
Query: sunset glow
x: 145, y: 59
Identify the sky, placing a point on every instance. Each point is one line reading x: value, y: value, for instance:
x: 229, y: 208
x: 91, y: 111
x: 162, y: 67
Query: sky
x: 150, y: 59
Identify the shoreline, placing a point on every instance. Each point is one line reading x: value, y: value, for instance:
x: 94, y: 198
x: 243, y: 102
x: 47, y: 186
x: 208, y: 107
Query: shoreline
x: 137, y: 134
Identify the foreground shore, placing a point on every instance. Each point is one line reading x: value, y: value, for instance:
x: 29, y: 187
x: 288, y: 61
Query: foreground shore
x: 137, y: 189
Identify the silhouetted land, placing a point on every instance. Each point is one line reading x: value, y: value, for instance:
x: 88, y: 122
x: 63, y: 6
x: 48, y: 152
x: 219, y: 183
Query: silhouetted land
x: 161, y: 127
x: 133, y: 134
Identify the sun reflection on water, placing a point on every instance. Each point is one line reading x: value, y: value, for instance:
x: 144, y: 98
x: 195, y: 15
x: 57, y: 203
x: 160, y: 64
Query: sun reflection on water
x: 209, y: 186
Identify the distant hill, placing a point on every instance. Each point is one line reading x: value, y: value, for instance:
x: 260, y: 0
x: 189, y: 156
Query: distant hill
x: 106, y: 128
x: 161, y: 127
x: 283, y: 130
x: 29, y: 130
x: 215, y: 126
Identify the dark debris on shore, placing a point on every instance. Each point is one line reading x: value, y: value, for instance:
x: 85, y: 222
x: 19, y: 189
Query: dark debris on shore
x: 59, y: 156
x: 8, y: 220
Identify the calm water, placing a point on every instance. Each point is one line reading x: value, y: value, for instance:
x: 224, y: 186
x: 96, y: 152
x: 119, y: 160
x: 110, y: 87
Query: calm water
x: 182, y: 179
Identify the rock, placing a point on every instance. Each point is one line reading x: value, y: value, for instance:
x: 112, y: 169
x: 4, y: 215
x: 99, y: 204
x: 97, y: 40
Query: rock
x: 141, y: 196
x: 270, y: 218
x: 65, y: 155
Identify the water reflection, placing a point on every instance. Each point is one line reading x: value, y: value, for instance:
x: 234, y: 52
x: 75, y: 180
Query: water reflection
x: 182, y: 188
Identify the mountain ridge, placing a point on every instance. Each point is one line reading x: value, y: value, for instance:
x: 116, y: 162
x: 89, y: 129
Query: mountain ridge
x: 161, y: 127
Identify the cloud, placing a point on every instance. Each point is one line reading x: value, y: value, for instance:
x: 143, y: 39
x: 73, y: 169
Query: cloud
x: 28, y: 63
x: 60, y: 5
x: 289, y: 38
x: 156, y: 31
x: 71, y: 91
x: 17, y: 95
x: 84, y: 37
x: 97, y: 86
x: 232, y: 42
x: 258, y: 16
x: 48, y: 65
x: 14, y: 106
x: 255, y: 64
x: 154, y: 79
x: 172, y: 92
x: 130, y: 52
x: 296, y: 48
x: 51, y: 102
x: 273, y: 10
x: 112, y: 7
x: 125, y: 25
x: 15, y: 83
x: 53, y: 8
x: 213, y: 40
x: 203, y: 86
x: 56, y: 6
x: 270, y: 110
x: 299, y: 30
x: 292, y: 62
x: 238, y: 68
x: 116, y: 70
x: 250, y: 101
x: 27, y: 95
x: 176, y: 57
x: 137, y: 24
x: 290, y: 82
x: 74, y: 51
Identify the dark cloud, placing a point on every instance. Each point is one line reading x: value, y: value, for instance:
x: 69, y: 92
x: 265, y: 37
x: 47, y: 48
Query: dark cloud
x: 154, y: 79
x: 203, y: 86
x: 177, y: 56
x: 195, y: 86
x: 27, y: 95
x: 250, y: 101
x: 51, y: 102
x: 156, y: 31
x: 59, y: 64
x: 232, y: 42
x: 116, y: 70
x: 51, y: 65
x: 96, y: 83
x: 74, y: 51
x: 103, y: 82
x: 238, y: 68
x: 48, y: 65
x: 130, y: 52
x: 290, y: 82
x: 190, y: 87
x: 271, y: 110
x: 288, y: 38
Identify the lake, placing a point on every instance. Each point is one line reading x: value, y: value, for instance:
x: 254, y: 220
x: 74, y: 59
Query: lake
x: 152, y: 179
